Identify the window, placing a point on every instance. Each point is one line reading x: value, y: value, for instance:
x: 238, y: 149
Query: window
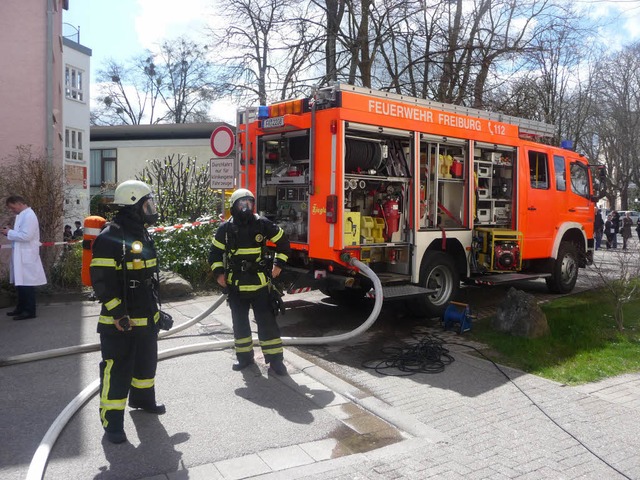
x: 73, y: 83
x: 73, y: 145
x: 103, y: 167
x: 579, y: 179
x: 538, y: 170
x: 561, y: 173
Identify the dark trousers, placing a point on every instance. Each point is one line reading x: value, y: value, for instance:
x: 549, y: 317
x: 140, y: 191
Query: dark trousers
x: 26, y: 299
x: 268, y: 330
x: 128, y: 367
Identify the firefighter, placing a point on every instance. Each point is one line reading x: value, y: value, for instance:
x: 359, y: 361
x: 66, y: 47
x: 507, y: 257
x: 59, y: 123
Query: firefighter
x: 247, y: 278
x: 123, y: 274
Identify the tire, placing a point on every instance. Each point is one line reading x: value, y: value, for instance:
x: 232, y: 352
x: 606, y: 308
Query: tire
x: 565, y: 269
x: 437, y: 272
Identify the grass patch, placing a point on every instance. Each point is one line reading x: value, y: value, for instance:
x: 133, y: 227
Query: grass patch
x: 584, y: 344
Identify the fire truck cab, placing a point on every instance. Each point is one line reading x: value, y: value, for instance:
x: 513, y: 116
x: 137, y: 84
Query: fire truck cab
x: 426, y: 194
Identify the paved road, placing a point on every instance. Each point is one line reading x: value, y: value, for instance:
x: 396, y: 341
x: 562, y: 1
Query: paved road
x: 331, y: 420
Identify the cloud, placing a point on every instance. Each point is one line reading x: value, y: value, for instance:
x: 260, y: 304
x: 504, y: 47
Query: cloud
x: 160, y: 20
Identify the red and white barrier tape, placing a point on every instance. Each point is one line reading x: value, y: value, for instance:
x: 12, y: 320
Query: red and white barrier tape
x: 95, y: 231
x: 180, y: 226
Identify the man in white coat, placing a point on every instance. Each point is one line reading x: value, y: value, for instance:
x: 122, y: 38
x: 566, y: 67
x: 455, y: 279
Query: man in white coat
x: 26, y: 270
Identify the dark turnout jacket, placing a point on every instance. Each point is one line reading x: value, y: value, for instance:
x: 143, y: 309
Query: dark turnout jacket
x: 123, y: 275
x: 247, y: 269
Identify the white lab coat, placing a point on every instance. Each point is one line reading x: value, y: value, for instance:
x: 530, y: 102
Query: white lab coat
x: 26, y: 267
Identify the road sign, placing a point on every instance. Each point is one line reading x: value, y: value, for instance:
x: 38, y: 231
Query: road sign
x: 222, y: 173
x: 222, y: 141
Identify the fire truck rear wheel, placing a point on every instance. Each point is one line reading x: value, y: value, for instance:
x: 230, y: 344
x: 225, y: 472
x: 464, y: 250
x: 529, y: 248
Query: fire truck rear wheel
x: 438, y: 273
x: 565, y: 270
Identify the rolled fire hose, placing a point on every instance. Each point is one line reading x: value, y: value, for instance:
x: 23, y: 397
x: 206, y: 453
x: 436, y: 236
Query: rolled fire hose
x: 41, y: 457
x: 92, y: 347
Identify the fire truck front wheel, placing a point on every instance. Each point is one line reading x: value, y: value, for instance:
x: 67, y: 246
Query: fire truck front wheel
x: 565, y: 270
x: 437, y: 273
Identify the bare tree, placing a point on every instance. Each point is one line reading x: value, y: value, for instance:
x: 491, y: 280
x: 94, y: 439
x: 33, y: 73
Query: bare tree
x: 268, y: 44
x: 171, y: 85
x: 185, y: 74
x: 32, y: 175
x: 129, y: 94
x: 617, y: 99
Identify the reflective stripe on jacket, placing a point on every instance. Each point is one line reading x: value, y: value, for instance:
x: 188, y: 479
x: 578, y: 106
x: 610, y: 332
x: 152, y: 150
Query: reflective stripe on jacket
x: 247, y: 270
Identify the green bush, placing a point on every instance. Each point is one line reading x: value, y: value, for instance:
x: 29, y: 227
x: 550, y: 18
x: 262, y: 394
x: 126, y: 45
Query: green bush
x: 186, y: 252
x: 67, y: 269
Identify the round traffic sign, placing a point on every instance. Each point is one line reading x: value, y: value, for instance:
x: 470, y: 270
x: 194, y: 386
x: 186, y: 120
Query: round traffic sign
x: 222, y: 141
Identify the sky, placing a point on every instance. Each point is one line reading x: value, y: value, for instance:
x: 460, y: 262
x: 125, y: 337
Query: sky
x: 121, y: 29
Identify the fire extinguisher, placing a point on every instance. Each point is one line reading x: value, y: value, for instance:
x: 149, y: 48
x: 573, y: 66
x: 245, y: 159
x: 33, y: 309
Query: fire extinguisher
x: 92, y: 227
x: 390, y: 211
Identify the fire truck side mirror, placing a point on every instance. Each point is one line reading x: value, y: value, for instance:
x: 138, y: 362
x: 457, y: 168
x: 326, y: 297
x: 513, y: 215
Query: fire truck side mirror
x: 599, y: 175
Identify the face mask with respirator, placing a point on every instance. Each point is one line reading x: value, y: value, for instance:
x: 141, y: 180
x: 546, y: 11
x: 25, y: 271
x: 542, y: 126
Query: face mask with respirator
x: 149, y: 211
x: 243, y: 210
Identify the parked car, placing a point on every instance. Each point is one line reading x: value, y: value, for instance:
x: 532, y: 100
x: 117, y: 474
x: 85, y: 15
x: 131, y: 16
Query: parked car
x: 634, y: 215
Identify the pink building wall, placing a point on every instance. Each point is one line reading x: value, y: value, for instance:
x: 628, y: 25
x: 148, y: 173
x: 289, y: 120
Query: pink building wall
x: 31, y: 86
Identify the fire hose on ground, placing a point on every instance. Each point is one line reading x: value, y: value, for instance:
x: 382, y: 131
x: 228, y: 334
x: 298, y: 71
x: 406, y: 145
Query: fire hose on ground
x: 40, y: 459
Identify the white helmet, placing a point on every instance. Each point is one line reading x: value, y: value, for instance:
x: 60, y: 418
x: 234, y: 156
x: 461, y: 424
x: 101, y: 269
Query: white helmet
x: 241, y: 193
x: 130, y: 192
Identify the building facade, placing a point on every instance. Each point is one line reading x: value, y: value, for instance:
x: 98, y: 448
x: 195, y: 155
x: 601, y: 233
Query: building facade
x: 121, y: 152
x: 76, y: 73
x: 32, y: 87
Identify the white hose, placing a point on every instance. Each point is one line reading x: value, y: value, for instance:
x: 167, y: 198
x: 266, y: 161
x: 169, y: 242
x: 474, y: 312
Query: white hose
x: 93, y: 347
x: 41, y: 457
x: 373, y: 316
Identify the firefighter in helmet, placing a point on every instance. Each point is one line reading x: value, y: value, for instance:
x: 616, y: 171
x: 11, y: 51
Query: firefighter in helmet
x: 124, y: 278
x: 247, y: 278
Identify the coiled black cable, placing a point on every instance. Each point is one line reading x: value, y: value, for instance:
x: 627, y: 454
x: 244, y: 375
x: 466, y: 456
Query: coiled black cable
x: 426, y: 355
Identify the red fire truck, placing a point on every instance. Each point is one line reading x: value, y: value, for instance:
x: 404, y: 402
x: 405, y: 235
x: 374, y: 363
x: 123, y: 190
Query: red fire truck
x: 426, y: 194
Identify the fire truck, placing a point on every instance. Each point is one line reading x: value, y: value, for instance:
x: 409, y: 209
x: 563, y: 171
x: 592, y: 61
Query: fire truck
x: 428, y: 195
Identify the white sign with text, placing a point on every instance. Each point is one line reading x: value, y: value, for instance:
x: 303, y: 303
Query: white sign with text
x: 222, y: 173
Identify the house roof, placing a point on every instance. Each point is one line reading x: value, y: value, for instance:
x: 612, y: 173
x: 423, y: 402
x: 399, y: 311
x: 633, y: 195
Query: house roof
x: 158, y: 131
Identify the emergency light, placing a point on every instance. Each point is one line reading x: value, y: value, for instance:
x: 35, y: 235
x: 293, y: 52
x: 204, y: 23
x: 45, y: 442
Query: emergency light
x: 290, y: 107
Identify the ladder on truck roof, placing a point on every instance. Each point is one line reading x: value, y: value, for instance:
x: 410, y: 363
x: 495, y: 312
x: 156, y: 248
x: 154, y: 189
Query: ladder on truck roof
x: 526, y: 126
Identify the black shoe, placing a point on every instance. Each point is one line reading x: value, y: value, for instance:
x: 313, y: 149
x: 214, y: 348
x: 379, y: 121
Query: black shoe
x: 116, y: 437
x: 14, y: 313
x: 24, y: 316
x: 278, y: 368
x: 157, y: 408
x: 242, y: 364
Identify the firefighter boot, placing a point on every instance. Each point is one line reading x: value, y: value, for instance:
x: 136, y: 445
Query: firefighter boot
x: 278, y: 367
x: 116, y: 436
x: 156, y: 408
x: 243, y: 362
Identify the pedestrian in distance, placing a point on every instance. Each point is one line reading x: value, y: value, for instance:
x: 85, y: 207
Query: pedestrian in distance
x: 247, y: 278
x: 25, y: 269
x: 67, y: 235
x: 627, y: 223
x: 609, y: 231
x: 124, y: 275
x: 638, y: 228
x: 615, y: 222
x: 598, y: 227
x: 78, y: 233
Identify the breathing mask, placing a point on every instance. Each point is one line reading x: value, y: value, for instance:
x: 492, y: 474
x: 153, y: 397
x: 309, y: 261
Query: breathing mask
x: 242, y: 210
x: 149, y: 211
